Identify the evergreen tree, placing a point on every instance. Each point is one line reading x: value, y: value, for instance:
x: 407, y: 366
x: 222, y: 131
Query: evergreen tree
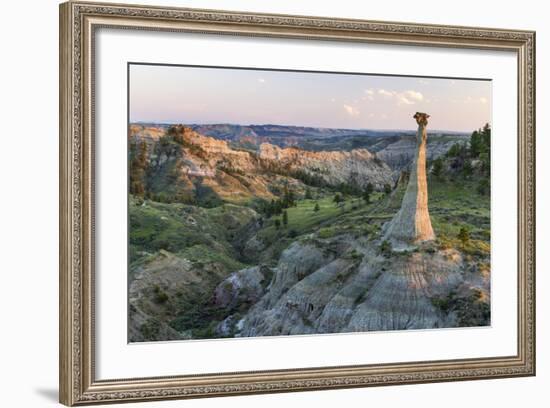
x: 457, y: 150
x: 366, y: 196
x: 285, y: 218
x: 464, y: 236
x: 485, y: 163
x: 308, y: 195
x: 467, y: 169
x: 289, y: 199
x: 485, y: 155
x: 138, y: 167
x: 337, y: 198
x: 484, y: 186
x: 486, y: 136
x: 437, y: 169
x: 476, y: 143
x: 367, y: 193
x: 316, y: 208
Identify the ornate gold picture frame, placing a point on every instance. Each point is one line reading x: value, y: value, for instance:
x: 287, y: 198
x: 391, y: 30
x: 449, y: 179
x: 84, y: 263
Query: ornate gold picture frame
x: 78, y: 25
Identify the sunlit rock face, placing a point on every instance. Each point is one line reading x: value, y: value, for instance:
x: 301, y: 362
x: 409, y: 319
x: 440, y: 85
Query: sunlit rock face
x: 412, y: 225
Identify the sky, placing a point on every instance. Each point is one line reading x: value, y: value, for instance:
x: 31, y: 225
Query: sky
x: 196, y: 95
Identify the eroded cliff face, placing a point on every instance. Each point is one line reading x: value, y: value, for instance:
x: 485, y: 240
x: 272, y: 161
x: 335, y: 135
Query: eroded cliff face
x: 358, y: 165
x: 181, y: 161
x: 325, y: 286
x: 400, y: 154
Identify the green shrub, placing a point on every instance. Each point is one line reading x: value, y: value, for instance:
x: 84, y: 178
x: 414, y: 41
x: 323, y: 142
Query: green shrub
x: 442, y: 303
x: 464, y: 236
x: 327, y: 232
x: 150, y: 329
x: 292, y: 233
x: 160, y: 296
x: 385, y: 248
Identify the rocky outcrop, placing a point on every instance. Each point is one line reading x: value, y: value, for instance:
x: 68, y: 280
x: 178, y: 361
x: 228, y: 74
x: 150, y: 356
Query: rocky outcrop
x: 400, y: 154
x: 356, y: 166
x: 400, y: 298
x: 333, y: 285
x: 187, y: 160
x: 318, y: 288
x: 244, y: 286
x: 150, y: 134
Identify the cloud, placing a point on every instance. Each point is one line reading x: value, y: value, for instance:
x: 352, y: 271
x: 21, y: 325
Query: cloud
x: 351, y: 110
x: 369, y: 95
x: 402, y: 100
x: 261, y: 80
x: 409, y: 97
x: 385, y: 93
x: 483, y: 100
x: 415, y: 96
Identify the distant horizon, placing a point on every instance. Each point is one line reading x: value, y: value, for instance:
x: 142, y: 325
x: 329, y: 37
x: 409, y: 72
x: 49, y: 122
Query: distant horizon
x: 215, y: 95
x: 175, y: 122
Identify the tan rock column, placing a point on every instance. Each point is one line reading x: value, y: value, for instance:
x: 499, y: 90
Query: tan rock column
x: 412, y: 223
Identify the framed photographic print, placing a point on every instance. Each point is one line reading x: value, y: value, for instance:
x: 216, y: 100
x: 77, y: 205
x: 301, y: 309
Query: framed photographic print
x: 260, y: 203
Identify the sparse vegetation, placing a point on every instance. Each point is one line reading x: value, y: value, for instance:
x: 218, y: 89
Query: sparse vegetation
x: 138, y: 167
x: 437, y: 169
x: 385, y: 248
x: 160, y: 296
x: 464, y: 236
x: 150, y: 329
x: 471, y: 310
x: 368, y: 192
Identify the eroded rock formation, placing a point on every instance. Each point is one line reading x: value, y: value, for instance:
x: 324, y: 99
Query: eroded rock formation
x: 236, y: 175
x: 412, y: 224
x: 315, y: 290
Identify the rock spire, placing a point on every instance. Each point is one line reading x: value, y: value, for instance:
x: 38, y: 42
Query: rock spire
x: 412, y: 225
